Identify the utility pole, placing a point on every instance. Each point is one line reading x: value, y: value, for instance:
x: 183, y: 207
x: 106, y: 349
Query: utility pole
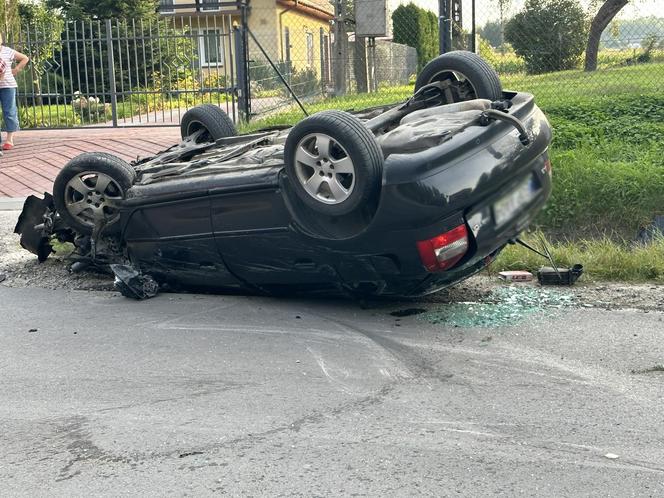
x: 340, y: 48
x: 445, y: 26
x: 474, y: 29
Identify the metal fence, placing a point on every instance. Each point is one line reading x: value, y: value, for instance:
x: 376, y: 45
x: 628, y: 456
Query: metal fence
x: 124, y: 72
x: 259, y: 59
x: 543, y: 51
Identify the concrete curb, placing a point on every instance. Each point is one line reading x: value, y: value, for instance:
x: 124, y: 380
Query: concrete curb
x: 11, y: 204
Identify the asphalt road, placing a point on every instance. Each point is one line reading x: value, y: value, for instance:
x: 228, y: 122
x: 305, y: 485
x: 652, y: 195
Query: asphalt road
x: 196, y: 395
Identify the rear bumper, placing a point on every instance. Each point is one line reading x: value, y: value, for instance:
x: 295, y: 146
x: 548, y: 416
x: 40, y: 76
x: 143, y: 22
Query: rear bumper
x: 486, y: 237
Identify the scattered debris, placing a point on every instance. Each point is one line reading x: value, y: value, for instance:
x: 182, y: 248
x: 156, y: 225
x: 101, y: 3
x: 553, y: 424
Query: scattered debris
x: 516, y: 276
x: 504, y: 306
x: 408, y: 312
x: 190, y: 453
x: 132, y: 283
x: 2, y: 277
x: 656, y: 368
x: 612, y: 456
x: 559, y: 276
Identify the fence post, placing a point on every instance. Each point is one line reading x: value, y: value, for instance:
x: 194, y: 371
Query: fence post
x: 111, y: 73
x: 340, y: 47
x: 321, y: 40
x: 242, y: 73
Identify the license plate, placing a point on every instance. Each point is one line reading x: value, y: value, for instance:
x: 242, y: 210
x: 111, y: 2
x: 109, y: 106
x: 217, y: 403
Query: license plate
x: 505, y: 208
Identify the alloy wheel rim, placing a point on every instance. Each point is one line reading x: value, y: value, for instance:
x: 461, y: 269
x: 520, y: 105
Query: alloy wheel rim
x: 91, y: 197
x: 324, y: 168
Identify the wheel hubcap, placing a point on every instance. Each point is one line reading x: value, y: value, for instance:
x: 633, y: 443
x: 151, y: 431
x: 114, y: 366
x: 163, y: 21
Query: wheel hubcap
x: 91, y: 197
x: 324, y: 168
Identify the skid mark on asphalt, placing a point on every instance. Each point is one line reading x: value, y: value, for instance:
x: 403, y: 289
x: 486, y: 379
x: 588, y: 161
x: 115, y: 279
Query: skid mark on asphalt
x: 593, y: 456
x: 596, y: 376
x: 82, y: 449
x: 415, y: 363
x: 311, y: 335
x: 334, y: 380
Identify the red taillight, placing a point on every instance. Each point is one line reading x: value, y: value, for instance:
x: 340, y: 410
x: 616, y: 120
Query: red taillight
x: 444, y: 251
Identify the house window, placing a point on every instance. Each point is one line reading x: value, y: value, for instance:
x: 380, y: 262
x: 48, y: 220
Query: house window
x: 205, y: 5
x: 310, y: 49
x: 166, y: 6
x: 210, y: 47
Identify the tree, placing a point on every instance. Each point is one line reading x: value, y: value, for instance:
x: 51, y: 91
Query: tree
x: 604, y: 16
x: 9, y: 16
x: 503, y: 6
x: 43, y: 22
x: 492, y: 33
x: 418, y: 28
x: 104, y: 9
x: 550, y: 35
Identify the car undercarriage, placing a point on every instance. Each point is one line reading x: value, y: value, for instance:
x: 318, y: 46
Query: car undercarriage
x: 342, y: 201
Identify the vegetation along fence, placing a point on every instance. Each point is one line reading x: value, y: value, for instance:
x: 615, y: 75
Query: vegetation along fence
x: 257, y: 58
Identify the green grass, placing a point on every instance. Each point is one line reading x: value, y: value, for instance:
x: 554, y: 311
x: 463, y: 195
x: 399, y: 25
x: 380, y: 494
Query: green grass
x: 346, y: 103
x: 603, y: 259
x: 577, y: 86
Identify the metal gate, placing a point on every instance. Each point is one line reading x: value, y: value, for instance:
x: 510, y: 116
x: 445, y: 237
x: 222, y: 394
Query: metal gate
x: 126, y: 72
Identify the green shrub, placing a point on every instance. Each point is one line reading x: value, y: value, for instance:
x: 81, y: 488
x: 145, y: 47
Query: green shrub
x: 264, y: 77
x: 417, y: 28
x: 304, y: 82
x: 504, y: 62
x: 549, y: 34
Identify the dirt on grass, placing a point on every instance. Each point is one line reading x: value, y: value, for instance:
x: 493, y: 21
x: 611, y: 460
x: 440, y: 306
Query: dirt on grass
x: 21, y: 269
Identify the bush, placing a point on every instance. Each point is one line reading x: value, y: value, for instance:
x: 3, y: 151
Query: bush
x: 417, y: 28
x: 549, y: 34
x: 304, y: 82
x: 505, y: 61
x: 263, y: 77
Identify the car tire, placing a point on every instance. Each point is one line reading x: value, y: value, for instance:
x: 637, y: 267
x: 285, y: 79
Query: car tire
x: 470, y: 76
x: 327, y: 140
x: 82, y: 201
x: 214, y: 122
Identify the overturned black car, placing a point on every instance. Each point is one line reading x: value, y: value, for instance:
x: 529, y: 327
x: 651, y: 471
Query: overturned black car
x: 394, y: 201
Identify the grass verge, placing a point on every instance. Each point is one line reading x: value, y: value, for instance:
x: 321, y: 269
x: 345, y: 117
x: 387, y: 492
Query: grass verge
x: 603, y: 259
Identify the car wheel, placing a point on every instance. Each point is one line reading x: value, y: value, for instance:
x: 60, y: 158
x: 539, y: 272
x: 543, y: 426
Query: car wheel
x: 87, y: 190
x: 469, y: 77
x: 333, y: 162
x: 206, y: 123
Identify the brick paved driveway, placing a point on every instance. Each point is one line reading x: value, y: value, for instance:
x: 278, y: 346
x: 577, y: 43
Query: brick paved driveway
x: 31, y: 166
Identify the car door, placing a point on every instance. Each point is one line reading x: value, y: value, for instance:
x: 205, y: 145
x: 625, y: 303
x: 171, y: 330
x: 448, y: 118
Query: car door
x: 254, y: 233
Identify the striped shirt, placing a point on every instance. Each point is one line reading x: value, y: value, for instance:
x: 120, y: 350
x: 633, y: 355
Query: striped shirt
x: 6, y: 77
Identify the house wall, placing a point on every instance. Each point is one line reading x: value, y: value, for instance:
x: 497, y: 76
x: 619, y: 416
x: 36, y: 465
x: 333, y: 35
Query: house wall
x: 264, y: 24
x: 268, y: 22
x: 299, y: 25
